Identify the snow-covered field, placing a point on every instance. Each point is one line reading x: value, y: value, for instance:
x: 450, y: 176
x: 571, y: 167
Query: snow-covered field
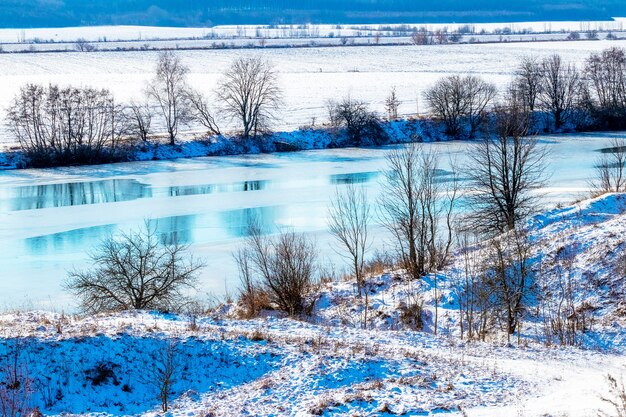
x: 308, y: 76
x: 131, y: 33
x: 271, y: 366
x: 281, y: 367
x: 103, y: 365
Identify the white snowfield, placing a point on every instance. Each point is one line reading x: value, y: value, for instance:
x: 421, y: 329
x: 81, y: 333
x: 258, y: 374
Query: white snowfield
x: 136, y: 33
x: 309, y: 77
x: 273, y: 366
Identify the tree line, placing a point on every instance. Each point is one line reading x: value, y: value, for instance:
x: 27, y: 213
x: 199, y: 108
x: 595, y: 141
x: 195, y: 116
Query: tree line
x: 70, y: 125
x: 205, y: 13
x: 550, y: 94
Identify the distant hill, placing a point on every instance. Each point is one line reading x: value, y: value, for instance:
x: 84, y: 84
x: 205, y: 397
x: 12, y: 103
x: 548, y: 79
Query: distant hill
x: 55, y: 13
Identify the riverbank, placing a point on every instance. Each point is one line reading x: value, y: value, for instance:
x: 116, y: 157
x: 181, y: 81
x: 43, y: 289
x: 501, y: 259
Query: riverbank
x: 393, y: 132
x: 327, y: 364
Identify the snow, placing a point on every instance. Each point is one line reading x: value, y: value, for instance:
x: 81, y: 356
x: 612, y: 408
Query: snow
x: 308, y: 76
x: 130, y: 33
x: 329, y: 365
x: 274, y: 366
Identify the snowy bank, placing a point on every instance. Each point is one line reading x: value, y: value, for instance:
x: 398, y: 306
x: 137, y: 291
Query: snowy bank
x: 329, y: 365
x: 394, y: 132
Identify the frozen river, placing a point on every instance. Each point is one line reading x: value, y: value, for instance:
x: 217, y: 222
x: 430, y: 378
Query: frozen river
x: 49, y: 219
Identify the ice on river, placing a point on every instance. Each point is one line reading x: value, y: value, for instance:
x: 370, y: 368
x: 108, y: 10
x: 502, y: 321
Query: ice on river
x: 49, y: 219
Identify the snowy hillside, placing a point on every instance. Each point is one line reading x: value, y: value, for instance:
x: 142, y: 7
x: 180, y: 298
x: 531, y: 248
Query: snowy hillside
x: 329, y: 365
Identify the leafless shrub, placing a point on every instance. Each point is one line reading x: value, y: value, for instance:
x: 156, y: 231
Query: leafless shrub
x: 471, y: 286
x: 380, y: 262
x: 411, y: 315
x: 508, y: 262
x: 361, y: 123
x: 250, y: 94
x: 564, y: 319
x: 456, y: 100
x: 135, y: 271
x: 610, y: 169
x: 16, y: 386
x: 252, y: 297
x: 282, y: 266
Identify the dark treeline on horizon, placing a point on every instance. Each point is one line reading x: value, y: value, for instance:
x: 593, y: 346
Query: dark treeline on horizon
x: 58, y: 13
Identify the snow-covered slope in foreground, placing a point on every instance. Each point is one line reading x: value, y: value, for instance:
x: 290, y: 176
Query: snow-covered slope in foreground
x: 105, y: 365
x: 280, y: 367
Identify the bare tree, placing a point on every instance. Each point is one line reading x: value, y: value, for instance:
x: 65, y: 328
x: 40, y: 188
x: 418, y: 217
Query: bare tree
x: 606, y: 72
x: 528, y: 82
x: 162, y: 373
x: 441, y: 36
x: 478, y: 95
x: 82, y: 45
x: 168, y: 91
x: 611, y: 169
x: 135, y: 271
x: 456, y: 99
x: 139, y: 118
x: 349, y: 219
x: 422, y: 37
x: 249, y: 93
x: 200, y: 111
x: 446, y: 99
x: 392, y: 104
x: 284, y: 266
x: 513, y: 114
x: 411, y: 208
x: 560, y: 86
x: 503, y: 175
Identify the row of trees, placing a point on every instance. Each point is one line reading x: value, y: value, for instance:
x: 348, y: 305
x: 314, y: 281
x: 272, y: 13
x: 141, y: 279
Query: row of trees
x: 85, y: 125
x: 591, y: 97
x: 68, y: 125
